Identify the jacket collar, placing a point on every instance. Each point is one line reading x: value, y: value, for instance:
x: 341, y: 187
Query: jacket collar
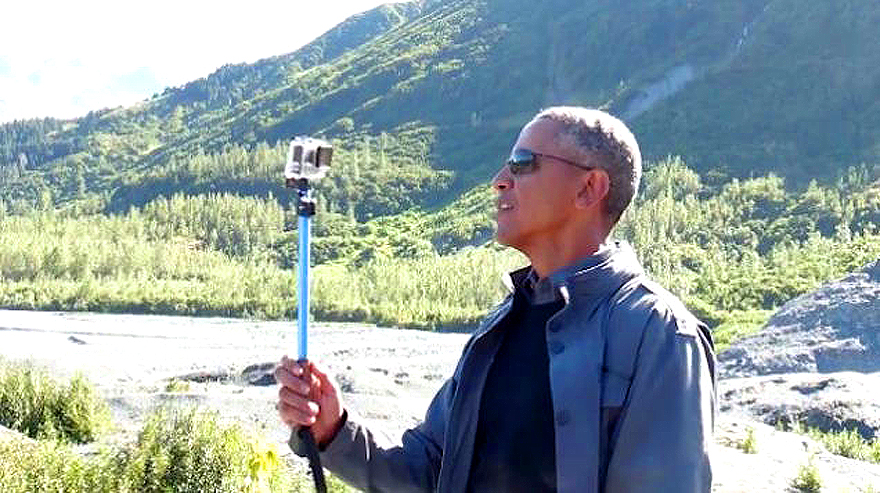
x: 596, y: 275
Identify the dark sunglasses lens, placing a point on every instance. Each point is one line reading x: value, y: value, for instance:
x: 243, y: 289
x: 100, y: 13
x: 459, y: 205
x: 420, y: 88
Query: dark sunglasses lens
x: 521, y: 162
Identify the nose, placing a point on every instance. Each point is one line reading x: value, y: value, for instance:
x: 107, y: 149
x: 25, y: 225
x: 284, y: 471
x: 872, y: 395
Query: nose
x: 502, y: 180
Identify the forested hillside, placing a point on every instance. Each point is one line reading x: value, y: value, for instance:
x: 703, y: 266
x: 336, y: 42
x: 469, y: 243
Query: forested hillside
x: 176, y: 204
x: 737, y: 88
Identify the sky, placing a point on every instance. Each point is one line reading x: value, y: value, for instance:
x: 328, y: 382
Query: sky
x: 63, y: 59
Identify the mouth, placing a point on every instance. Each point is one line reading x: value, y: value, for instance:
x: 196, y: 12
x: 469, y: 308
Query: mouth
x: 504, y: 206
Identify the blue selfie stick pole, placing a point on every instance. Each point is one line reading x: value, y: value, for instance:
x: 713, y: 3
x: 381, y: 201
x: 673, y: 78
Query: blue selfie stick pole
x: 307, y: 159
x: 305, y: 209
x: 303, y: 286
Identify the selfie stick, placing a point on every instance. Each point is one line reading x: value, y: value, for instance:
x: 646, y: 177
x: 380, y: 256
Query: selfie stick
x: 305, y: 209
x: 307, y: 159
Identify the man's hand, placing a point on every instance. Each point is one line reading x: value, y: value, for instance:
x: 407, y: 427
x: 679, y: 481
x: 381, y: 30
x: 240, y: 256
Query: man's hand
x: 307, y: 397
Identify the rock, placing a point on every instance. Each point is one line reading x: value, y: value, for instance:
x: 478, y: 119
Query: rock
x: 835, y: 328
x: 8, y: 435
x: 76, y: 340
x: 204, y: 376
x: 261, y: 374
x: 829, y: 402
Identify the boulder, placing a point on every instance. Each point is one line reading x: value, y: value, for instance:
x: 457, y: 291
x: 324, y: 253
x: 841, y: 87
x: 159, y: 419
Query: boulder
x: 834, y: 328
x: 829, y: 402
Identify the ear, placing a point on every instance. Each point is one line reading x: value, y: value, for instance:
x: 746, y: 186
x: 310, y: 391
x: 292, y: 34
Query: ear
x: 595, y: 185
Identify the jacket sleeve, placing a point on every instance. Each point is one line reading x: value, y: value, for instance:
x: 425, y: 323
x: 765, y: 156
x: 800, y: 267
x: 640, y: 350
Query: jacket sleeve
x: 662, y: 440
x: 370, y: 462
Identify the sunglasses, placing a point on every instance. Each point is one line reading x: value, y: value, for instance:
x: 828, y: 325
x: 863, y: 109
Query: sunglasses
x: 525, y: 161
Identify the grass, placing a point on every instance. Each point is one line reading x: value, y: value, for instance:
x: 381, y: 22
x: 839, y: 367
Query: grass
x: 849, y: 443
x: 192, y: 451
x: 175, y: 385
x: 846, y: 443
x: 737, y: 325
x: 184, y: 452
x: 176, y: 450
x: 50, y: 466
x: 34, y: 403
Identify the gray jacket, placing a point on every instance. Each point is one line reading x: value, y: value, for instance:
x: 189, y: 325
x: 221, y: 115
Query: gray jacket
x: 632, y: 376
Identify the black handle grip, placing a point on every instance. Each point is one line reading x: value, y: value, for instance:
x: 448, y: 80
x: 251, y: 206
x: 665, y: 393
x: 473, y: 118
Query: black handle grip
x: 311, y: 449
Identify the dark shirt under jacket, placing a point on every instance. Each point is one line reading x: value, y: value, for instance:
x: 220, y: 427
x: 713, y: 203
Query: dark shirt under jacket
x: 514, y: 444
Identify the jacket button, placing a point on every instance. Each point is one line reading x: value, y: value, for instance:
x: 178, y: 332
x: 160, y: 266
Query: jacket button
x: 557, y: 347
x: 563, y: 418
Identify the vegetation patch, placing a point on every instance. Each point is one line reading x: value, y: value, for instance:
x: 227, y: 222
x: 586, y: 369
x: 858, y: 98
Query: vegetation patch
x: 34, y: 403
x: 192, y: 451
x: 187, y: 452
x: 176, y: 450
x: 734, y: 251
x: 808, y: 479
x: 176, y: 385
x: 847, y: 443
x: 749, y: 444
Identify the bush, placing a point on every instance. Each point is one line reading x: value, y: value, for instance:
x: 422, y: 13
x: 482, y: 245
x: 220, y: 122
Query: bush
x: 192, y: 452
x: 750, y: 444
x: 27, y: 467
x: 875, y: 451
x: 847, y: 443
x: 808, y: 479
x: 182, y: 452
x: 40, y: 407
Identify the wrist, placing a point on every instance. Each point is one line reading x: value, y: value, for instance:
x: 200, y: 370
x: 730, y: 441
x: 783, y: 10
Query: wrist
x: 324, y: 442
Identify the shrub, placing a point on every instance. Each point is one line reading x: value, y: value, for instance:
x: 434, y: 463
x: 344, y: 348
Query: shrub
x: 37, y: 405
x: 192, y: 452
x: 808, y: 479
x: 27, y: 467
x: 847, y: 443
x: 183, y: 452
x: 750, y: 444
x: 875, y: 450
x: 175, y: 385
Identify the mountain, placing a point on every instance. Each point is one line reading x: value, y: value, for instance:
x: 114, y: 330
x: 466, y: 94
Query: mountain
x: 439, y: 89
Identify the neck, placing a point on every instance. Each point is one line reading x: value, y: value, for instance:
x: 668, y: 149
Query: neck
x: 550, y: 255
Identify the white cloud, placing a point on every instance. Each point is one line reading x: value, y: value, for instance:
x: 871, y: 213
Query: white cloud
x: 63, y: 59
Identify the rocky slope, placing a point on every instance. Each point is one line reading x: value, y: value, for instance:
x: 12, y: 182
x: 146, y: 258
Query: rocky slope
x: 835, y: 328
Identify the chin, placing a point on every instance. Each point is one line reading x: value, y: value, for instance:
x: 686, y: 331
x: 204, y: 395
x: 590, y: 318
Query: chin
x: 501, y: 237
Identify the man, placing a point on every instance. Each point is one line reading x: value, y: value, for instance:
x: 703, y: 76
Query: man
x: 588, y: 377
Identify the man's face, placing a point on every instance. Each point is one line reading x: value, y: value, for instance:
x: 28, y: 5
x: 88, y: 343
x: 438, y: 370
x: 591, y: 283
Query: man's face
x: 537, y: 207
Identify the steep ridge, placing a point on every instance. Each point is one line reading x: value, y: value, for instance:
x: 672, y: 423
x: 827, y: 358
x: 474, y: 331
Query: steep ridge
x: 740, y: 88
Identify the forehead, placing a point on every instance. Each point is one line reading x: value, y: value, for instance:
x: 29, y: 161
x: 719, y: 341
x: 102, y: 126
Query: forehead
x: 539, y: 135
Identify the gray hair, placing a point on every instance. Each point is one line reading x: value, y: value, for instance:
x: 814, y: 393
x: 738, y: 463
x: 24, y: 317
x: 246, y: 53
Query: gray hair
x: 602, y: 141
